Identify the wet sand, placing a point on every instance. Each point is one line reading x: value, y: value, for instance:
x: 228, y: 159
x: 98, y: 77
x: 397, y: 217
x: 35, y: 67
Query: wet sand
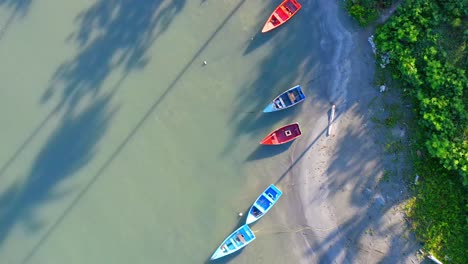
x: 342, y: 212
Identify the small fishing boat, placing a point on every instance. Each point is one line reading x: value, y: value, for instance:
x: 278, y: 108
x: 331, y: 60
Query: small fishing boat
x: 282, y: 135
x: 235, y: 241
x: 282, y: 13
x: 263, y: 204
x: 288, y: 98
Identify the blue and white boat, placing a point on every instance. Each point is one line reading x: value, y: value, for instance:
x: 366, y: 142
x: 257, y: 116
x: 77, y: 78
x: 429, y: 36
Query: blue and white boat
x: 263, y: 204
x: 285, y: 100
x: 235, y: 241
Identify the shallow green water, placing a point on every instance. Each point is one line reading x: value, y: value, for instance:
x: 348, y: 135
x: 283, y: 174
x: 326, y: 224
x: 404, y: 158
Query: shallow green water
x: 119, y: 146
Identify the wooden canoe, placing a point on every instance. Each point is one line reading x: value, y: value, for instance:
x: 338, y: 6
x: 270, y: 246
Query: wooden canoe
x: 282, y: 13
x: 282, y: 135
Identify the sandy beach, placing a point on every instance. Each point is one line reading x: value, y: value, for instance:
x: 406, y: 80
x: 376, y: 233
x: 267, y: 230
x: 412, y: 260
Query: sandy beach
x: 347, y: 212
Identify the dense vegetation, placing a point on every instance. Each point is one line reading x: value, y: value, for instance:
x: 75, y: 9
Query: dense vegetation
x: 426, y: 43
x: 366, y: 11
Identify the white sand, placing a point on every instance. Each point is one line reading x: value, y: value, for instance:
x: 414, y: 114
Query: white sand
x: 345, y: 215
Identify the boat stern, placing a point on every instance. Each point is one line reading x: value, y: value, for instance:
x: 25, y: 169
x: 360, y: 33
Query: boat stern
x: 250, y: 219
x: 270, y: 108
x: 218, y: 254
x: 267, y: 27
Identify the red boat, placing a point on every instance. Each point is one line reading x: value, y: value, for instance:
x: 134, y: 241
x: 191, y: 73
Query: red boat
x: 282, y: 13
x: 282, y: 135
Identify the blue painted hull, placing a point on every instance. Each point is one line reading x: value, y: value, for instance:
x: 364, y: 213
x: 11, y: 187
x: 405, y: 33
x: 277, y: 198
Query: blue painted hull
x: 263, y: 204
x: 287, y: 99
x: 234, y: 242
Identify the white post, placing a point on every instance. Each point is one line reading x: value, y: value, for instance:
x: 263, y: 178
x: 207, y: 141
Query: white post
x: 434, y: 259
x: 332, y: 117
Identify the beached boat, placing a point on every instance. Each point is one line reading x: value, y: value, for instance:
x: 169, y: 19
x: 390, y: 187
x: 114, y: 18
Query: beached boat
x: 285, y: 100
x: 263, y: 204
x: 282, y: 13
x: 235, y: 241
x: 282, y: 135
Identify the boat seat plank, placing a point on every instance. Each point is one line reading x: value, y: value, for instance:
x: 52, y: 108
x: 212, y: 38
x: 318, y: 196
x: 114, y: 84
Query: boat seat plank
x: 282, y: 102
x: 292, y: 97
x: 282, y: 14
x: 292, y: 8
x: 260, y: 209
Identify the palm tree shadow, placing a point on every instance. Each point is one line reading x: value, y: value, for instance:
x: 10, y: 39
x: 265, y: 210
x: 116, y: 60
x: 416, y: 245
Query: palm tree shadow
x: 19, y: 8
x: 126, y: 31
x: 69, y: 148
x: 124, y: 142
x: 112, y: 35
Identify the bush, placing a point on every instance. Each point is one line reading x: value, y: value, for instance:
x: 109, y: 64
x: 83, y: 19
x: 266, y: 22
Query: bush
x: 366, y: 11
x: 434, y: 78
x: 438, y: 214
x: 434, y: 83
x: 363, y: 15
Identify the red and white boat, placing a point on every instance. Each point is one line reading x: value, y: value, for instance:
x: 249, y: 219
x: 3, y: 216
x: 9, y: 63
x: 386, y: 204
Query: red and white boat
x: 282, y: 13
x: 282, y: 135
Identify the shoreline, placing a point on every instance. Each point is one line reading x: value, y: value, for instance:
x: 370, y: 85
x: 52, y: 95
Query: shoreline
x: 349, y: 217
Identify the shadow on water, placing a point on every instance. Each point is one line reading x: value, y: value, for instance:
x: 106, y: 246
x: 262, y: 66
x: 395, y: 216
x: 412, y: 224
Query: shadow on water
x: 232, y: 256
x: 259, y: 40
x: 263, y: 152
x: 130, y: 28
x: 112, y: 35
x: 68, y: 150
x: 226, y: 259
x: 18, y: 8
x: 289, y: 64
x: 268, y: 120
x: 78, y: 81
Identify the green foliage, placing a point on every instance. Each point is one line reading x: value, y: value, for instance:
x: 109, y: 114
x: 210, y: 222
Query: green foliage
x: 366, y: 11
x: 394, y: 117
x: 438, y: 213
x: 394, y: 147
x: 456, y: 22
x: 426, y: 43
x: 434, y: 83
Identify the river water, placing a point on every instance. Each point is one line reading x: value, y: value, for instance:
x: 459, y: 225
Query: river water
x: 119, y: 145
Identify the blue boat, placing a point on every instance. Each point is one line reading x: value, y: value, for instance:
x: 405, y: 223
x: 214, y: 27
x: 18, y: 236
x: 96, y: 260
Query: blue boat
x: 235, y: 241
x: 285, y: 100
x: 263, y: 204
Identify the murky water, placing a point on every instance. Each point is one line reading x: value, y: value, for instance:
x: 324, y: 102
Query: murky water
x: 119, y: 146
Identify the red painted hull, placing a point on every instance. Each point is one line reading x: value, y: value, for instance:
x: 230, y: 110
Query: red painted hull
x: 282, y: 13
x: 282, y: 135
